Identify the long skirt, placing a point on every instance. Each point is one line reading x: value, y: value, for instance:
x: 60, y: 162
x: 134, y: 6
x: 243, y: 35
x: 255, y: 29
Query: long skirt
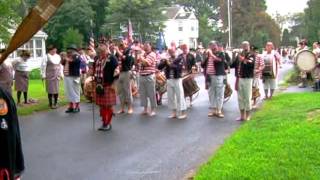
x: 109, y: 98
x: 72, y: 88
x: 52, y: 86
x: 21, y: 81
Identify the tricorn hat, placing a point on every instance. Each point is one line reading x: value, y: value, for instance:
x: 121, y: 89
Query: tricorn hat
x: 25, y: 53
x: 72, y: 47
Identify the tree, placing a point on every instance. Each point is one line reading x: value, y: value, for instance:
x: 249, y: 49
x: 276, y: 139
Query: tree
x: 146, y: 17
x: 251, y: 22
x: 73, y: 13
x: 98, y: 6
x: 8, y: 18
x: 312, y: 20
x: 72, y: 36
x: 287, y: 39
x: 207, y: 12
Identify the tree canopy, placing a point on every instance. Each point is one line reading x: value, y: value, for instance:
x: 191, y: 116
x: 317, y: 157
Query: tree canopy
x: 8, y: 18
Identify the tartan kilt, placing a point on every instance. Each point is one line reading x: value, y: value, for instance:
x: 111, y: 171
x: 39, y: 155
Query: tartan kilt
x: 108, y: 99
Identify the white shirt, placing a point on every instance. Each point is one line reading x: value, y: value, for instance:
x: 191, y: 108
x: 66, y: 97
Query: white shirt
x: 54, y: 59
x: 20, y: 65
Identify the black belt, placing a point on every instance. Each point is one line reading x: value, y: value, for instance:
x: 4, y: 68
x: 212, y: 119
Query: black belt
x: 146, y: 74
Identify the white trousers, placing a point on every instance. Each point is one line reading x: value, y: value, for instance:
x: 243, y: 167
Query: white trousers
x: 72, y: 88
x: 216, y: 91
x: 147, y: 90
x: 245, y: 94
x: 176, y: 100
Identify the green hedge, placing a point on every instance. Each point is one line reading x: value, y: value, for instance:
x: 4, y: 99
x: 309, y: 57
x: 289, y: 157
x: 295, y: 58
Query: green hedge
x: 35, y: 74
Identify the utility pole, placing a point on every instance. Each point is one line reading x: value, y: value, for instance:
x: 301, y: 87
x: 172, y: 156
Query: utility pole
x: 230, y: 23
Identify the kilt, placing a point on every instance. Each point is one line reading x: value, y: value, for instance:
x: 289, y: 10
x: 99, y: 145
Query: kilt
x: 21, y: 81
x: 109, y: 98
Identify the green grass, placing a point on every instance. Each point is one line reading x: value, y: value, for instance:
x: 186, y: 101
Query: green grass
x: 281, y: 142
x: 38, y: 92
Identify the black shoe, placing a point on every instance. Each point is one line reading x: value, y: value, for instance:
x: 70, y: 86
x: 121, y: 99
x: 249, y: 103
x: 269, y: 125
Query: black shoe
x: 76, y: 110
x: 105, y: 128
x: 70, y: 110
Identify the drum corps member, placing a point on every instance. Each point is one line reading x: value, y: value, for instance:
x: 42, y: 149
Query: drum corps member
x: 51, y: 71
x: 6, y: 75
x: 126, y: 62
x: 272, y: 62
x: 303, y: 75
x: 11, y: 156
x: 147, y: 90
x: 189, y: 62
x: 316, y: 73
x: 258, y: 68
x: 71, y: 70
x: 215, y: 72
x: 105, y: 94
x: 244, y: 64
x: 173, y: 72
x: 21, y: 76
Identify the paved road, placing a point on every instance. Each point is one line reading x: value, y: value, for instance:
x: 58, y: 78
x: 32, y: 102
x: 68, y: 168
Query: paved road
x: 61, y: 146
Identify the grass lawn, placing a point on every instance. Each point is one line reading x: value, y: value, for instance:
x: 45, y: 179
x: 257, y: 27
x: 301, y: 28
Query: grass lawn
x: 37, y: 91
x: 281, y: 142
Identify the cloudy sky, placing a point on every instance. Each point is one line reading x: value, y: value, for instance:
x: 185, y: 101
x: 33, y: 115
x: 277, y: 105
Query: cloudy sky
x: 286, y: 6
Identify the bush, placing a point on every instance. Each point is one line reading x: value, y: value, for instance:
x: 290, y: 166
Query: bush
x: 35, y: 74
x: 72, y: 36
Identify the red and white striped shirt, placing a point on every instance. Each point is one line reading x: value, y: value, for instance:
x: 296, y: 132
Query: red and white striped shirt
x: 210, y: 67
x: 150, y: 67
x: 258, y: 66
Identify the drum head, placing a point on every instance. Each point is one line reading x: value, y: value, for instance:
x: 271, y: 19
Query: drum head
x: 306, y: 60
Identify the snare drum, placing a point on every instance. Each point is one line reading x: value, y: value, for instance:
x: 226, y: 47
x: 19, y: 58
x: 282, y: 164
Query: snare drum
x: 190, y: 86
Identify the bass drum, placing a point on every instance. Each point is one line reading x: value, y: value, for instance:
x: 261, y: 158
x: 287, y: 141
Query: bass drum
x: 89, y: 86
x: 306, y: 60
x: 161, y: 83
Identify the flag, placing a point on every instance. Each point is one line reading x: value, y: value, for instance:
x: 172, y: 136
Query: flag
x: 31, y: 24
x: 130, y: 32
x: 161, y: 44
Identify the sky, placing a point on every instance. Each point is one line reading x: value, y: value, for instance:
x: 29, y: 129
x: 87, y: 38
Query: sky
x: 286, y: 6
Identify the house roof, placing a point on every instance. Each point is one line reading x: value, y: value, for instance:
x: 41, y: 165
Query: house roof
x: 171, y: 12
x: 184, y: 15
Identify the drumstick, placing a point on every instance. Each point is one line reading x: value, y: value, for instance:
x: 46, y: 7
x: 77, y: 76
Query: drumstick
x: 31, y: 24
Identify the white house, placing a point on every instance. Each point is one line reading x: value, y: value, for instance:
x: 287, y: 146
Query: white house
x: 36, y: 46
x: 181, y: 27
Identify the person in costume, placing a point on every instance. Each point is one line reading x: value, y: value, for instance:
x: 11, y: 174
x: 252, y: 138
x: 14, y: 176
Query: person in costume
x: 51, y: 72
x: 6, y: 75
x: 105, y: 66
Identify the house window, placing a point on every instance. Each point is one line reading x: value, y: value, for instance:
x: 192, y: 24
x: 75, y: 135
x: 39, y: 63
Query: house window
x: 192, y: 28
x: 180, y: 42
x: 38, y: 48
x: 180, y: 27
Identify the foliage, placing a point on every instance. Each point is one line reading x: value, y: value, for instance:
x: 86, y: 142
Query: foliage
x: 146, y: 17
x: 281, y: 142
x: 312, y: 20
x: 207, y: 13
x: 73, y: 13
x: 99, y: 7
x: 251, y: 22
x: 72, y: 36
x: 35, y: 74
x: 287, y: 39
x: 8, y: 18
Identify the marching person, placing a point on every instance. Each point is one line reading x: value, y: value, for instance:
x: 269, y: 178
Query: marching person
x: 11, y: 155
x: 258, y: 68
x: 51, y: 71
x: 71, y: 70
x: 215, y: 72
x: 6, y: 75
x: 83, y: 66
x: 21, y: 76
x: 316, y: 72
x: 269, y: 77
x: 126, y: 62
x: 244, y: 66
x: 303, y: 45
x: 173, y: 72
x: 147, y: 90
x: 189, y: 62
x: 104, y: 73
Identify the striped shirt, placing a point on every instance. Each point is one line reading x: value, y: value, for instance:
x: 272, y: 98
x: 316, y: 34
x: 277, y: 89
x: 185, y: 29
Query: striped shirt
x: 210, y: 67
x: 258, y: 66
x: 150, y: 67
x: 66, y: 69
